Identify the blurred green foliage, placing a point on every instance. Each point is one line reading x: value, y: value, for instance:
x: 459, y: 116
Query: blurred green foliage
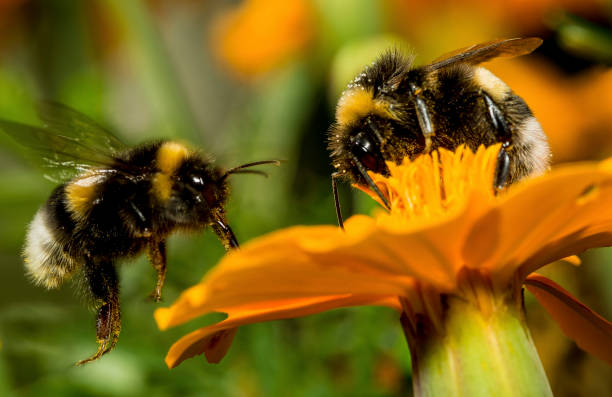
x: 141, y: 91
x: 147, y: 70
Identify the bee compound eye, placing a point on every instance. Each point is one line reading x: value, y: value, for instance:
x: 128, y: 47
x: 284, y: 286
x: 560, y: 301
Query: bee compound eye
x: 369, y: 161
x: 197, y: 180
x: 368, y: 153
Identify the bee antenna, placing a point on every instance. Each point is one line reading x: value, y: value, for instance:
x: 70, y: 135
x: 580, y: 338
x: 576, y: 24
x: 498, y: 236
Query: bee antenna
x: 262, y: 173
x: 371, y: 183
x: 254, y: 163
x: 241, y: 168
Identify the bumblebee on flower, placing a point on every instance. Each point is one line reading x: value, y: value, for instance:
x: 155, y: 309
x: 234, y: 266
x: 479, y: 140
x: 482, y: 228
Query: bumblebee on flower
x: 450, y: 256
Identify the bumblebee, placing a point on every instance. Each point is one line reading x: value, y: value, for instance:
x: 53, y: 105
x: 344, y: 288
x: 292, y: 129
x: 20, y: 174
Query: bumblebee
x: 393, y: 110
x: 122, y: 201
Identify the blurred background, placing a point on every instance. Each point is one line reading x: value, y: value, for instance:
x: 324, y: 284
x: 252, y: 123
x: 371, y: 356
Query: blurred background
x: 252, y: 80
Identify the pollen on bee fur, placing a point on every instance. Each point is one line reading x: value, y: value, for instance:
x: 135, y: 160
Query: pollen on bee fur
x: 80, y: 193
x: 357, y: 102
x: 170, y: 156
x: 491, y: 83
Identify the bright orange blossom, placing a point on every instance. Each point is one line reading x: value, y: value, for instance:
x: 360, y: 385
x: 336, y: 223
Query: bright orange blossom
x: 446, y: 236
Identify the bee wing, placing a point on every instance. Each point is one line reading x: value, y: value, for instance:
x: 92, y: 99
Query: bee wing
x: 69, y: 143
x: 79, y: 127
x: 479, y: 53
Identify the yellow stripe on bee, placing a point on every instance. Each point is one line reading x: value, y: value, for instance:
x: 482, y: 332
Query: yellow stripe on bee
x: 358, y: 102
x: 492, y: 84
x: 81, y: 192
x: 169, y: 158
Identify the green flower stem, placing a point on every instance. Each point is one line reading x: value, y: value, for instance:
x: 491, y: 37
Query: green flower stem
x: 477, y: 354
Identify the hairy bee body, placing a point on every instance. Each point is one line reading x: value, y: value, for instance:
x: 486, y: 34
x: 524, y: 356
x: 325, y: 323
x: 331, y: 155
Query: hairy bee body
x: 123, y: 201
x: 115, y: 211
x: 106, y: 214
x: 393, y: 110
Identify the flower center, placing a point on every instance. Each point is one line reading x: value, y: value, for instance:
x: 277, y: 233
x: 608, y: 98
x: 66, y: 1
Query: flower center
x: 436, y: 183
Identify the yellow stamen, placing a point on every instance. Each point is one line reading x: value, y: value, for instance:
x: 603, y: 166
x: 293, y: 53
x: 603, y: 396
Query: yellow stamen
x: 436, y: 183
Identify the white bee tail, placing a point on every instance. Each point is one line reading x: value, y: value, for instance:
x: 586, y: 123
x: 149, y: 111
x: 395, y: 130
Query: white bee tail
x: 45, y: 261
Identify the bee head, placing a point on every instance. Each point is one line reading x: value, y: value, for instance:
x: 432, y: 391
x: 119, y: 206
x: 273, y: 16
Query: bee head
x: 367, y: 115
x: 190, y: 191
x: 199, y: 193
x: 359, y: 147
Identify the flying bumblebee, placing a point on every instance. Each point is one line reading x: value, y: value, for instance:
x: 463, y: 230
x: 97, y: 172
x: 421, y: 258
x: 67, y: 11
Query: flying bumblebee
x: 393, y: 110
x: 121, y: 201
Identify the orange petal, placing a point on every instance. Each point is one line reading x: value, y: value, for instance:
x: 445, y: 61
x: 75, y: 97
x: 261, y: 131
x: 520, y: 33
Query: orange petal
x: 212, y: 342
x: 182, y: 309
x: 301, y: 262
x: 573, y: 260
x: 588, y: 329
x: 308, y: 262
x: 215, y: 340
x: 530, y: 223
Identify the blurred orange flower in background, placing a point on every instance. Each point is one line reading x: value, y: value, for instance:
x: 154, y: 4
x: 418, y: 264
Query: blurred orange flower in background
x: 447, y: 238
x: 9, y: 18
x: 509, y: 14
x: 575, y: 112
x: 261, y: 34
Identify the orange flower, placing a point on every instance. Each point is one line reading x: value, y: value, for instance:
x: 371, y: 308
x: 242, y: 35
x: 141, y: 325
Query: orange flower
x: 260, y: 34
x: 448, y: 241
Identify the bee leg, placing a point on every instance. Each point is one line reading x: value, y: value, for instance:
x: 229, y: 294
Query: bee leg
x: 224, y: 232
x: 427, y: 128
x: 370, y: 183
x: 157, y: 257
x: 104, y: 286
x: 502, y: 169
x: 503, y: 134
x: 335, y: 175
x: 144, y: 227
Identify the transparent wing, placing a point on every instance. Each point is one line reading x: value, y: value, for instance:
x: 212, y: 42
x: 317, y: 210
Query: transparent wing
x: 68, y: 144
x: 479, y: 53
x: 78, y: 127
